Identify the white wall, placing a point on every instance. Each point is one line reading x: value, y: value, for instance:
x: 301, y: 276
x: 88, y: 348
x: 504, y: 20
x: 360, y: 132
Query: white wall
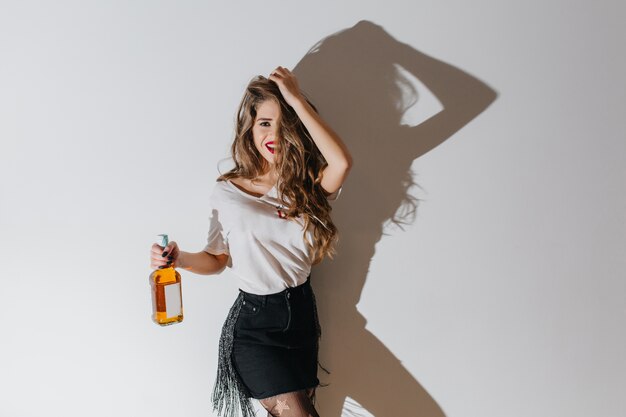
x: 503, y: 295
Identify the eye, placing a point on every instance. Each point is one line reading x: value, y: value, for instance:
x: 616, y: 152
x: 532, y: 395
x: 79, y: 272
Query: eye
x: 264, y: 124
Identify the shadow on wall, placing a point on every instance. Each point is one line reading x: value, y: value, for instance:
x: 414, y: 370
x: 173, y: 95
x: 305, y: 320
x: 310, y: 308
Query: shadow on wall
x: 352, y: 78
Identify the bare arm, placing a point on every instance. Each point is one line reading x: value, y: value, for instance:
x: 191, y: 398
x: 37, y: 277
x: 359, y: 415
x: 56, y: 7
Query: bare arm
x: 328, y: 142
x: 202, y: 263
x: 330, y: 145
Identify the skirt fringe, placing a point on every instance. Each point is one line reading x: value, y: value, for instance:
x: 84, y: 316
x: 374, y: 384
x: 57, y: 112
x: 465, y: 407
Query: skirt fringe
x: 230, y: 396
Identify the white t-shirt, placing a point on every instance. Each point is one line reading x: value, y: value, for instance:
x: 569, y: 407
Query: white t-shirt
x: 267, y: 252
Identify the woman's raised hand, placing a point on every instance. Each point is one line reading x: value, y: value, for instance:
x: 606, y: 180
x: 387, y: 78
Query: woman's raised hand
x: 288, y: 85
x: 161, y: 257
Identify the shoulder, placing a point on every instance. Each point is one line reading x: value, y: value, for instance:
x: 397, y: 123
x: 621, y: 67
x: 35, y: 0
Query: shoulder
x: 219, y: 191
x: 220, y: 185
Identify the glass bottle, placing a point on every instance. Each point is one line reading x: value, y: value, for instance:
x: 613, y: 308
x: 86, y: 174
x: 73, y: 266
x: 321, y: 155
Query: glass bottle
x: 167, y: 296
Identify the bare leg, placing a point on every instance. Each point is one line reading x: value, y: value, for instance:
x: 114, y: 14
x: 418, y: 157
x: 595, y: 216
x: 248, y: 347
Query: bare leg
x: 291, y: 404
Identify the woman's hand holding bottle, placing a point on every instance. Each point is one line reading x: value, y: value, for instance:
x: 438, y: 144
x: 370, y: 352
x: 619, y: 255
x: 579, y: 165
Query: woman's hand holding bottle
x: 163, y: 257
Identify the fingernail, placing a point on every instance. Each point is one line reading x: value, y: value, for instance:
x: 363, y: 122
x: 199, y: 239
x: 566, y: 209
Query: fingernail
x: 164, y: 254
x: 162, y: 266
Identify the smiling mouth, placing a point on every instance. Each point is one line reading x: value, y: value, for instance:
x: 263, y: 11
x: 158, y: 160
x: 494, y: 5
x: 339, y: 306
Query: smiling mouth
x: 270, y: 147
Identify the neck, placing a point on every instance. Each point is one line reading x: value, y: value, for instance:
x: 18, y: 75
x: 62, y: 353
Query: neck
x: 270, y: 175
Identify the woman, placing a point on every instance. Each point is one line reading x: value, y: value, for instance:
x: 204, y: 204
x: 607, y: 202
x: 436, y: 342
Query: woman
x: 270, y: 222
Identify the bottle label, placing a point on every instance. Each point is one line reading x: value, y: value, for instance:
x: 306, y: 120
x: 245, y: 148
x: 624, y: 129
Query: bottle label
x: 172, y: 300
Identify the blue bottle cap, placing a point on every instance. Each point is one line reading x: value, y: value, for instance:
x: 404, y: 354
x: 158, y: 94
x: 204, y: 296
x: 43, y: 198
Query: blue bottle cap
x: 164, y: 240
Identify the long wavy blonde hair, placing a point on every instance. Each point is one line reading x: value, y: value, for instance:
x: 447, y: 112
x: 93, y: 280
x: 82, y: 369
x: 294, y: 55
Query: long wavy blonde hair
x: 299, y: 164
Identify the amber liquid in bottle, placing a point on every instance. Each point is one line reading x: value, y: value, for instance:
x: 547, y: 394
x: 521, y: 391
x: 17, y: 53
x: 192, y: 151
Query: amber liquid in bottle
x: 167, y: 296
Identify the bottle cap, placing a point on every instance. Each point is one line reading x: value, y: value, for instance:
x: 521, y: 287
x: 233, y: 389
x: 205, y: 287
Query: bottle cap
x: 164, y: 240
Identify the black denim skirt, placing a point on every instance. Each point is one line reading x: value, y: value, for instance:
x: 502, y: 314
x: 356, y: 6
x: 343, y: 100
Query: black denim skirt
x: 269, y: 346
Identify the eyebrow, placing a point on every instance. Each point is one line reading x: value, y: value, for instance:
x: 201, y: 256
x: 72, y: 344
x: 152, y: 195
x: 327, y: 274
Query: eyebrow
x: 264, y: 118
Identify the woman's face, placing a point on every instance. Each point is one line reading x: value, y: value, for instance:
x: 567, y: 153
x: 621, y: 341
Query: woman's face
x: 265, y: 129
